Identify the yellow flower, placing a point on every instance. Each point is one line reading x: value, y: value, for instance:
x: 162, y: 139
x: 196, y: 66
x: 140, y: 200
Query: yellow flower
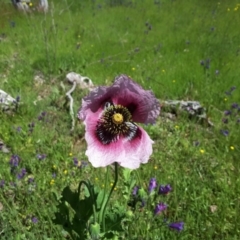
x: 65, y: 171
x: 155, y: 167
x: 30, y: 4
x: 111, y: 184
x: 176, y: 127
x: 52, y: 182
x: 228, y: 9
x: 70, y: 154
x: 225, y: 99
x: 173, y: 81
x: 133, y: 69
x: 54, y: 166
x: 232, y: 147
x: 163, y: 71
x: 96, y: 179
x: 202, y: 151
x: 115, y: 189
x: 236, y: 8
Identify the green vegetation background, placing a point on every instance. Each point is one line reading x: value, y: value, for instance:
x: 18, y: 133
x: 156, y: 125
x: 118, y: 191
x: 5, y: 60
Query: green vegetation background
x: 160, y: 44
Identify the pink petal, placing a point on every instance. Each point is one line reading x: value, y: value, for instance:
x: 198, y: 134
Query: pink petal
x: 142, y: 104
x: 129, y: 154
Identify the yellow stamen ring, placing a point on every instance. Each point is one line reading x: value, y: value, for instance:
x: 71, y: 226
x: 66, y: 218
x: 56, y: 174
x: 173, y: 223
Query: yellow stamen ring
x: 117, y: 118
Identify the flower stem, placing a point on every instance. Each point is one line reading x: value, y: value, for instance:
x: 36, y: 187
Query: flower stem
x: 109, y: 196
x: 91, y: 192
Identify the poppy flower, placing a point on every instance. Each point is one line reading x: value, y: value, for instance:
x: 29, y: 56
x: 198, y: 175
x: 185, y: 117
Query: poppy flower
x: 110, y: 115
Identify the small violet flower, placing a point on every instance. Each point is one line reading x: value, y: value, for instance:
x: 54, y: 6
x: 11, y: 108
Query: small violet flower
x: 152, y: 184
x: 234, y: 105
x: 224, y: 132
x: 34, y: 220
x: 164, y: 189
x: 22, y: 174
x: 30, y: 180
x: 110, y: 115
x: 14, y: 161
x: 41, y: 156
x: 177, y: 226
x: 160, y: 208
x: 135, y: 191
x: 227, y: 112
x: 42, y: 116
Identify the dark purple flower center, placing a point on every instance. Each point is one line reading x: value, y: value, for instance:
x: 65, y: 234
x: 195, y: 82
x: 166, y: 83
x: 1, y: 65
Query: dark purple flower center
x: 116, y: 122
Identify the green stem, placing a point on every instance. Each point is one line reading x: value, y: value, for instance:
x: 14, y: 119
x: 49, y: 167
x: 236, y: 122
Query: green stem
x: 104, y: 200
x: 109, y: 196
x: 91, y: 192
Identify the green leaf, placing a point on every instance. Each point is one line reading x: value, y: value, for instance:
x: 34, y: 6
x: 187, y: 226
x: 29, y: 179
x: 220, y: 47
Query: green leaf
x: 126, y: 174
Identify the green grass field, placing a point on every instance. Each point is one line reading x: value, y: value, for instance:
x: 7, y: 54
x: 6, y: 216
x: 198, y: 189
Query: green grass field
x: 181, y: 50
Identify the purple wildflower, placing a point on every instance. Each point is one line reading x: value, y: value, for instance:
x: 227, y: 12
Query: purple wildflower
x: 135, y: 191
x: 22, y: 174
x: 152, y: 185
x: 19, y: 129
x: 41, y: 156
x: 34, y: 220
x: 234, y: 105
x: 230, y: 91
x: 164, y: 189
x: 217, y: 72
x: 75, y: 162
x: 227, y: 112
x: 160, y: 208
x: 79, y: 164
x: 30, y: 180
x: 14, y: 161
x: 54, y: 175
x: 224, y: 132
x: 177, y: 226
x: 41, y: 116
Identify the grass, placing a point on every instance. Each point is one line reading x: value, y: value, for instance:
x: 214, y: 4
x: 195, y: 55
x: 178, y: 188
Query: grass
x: 160, y: 45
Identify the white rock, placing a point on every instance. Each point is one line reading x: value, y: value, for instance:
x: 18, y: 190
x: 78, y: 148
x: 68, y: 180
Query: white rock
x: 82, y: 81
x: 6, y: 100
